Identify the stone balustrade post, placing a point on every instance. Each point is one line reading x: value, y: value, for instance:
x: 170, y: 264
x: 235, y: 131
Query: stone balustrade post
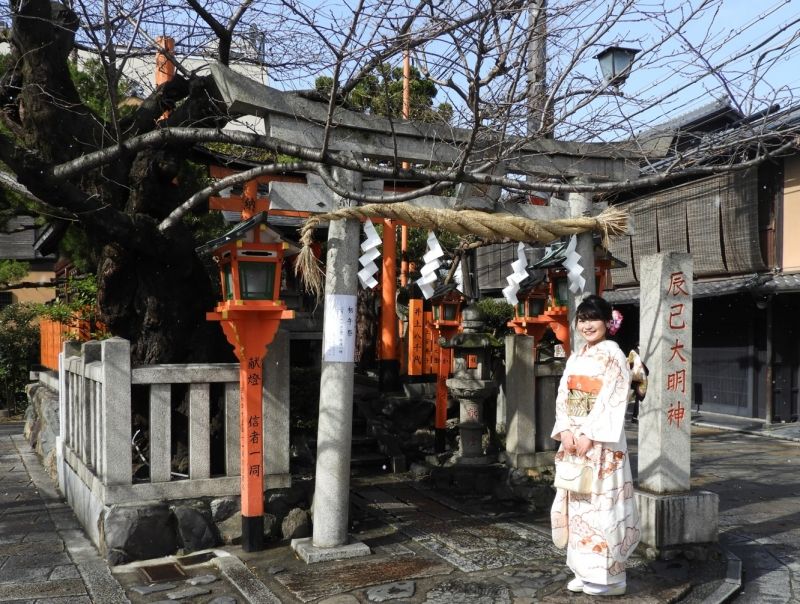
x: 115, y: 420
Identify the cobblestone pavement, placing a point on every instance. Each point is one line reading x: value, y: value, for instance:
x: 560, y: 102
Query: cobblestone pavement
x: 45, y: 557
x: 758, y: 482
x: 429, y: 546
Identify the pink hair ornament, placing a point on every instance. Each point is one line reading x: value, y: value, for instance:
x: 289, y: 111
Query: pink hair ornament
x: 615, y: 323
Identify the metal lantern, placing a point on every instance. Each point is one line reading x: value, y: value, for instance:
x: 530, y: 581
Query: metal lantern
x: 446, y: 307
x: 530, y: 305
x: 615, y: 63
x: 560, y: 288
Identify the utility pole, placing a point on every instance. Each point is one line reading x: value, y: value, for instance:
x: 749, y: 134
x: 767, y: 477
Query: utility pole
x: 539, y: 123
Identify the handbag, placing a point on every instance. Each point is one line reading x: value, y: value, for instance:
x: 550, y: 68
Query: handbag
x: 573, y: 476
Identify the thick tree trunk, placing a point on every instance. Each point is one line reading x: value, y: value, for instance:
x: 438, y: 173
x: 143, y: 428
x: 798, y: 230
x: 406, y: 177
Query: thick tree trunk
x: 159, y: 301
x: 154, y: 290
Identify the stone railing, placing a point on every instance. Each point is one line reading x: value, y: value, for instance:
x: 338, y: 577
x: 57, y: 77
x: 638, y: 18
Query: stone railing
x: 96, y: 459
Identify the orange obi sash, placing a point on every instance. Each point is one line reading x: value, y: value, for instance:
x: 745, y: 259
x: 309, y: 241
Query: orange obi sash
x: 584, y: 384
x: 582, y: 394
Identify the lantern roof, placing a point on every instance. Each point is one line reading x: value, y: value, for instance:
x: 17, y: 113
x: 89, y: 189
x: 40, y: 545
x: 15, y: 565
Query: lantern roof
x: 443, y: 291
x: 240, y: 232
x: 558, y: 254
x: 531, y: 283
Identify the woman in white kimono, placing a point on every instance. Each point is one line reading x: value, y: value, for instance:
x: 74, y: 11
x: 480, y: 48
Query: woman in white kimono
x: 601, y: 529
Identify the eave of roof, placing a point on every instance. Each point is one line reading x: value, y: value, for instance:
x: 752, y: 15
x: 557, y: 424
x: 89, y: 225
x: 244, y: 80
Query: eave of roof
x: 757, y: 283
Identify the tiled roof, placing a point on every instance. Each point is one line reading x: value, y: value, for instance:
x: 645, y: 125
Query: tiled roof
x: 18, y: 244
x: 766, y: 283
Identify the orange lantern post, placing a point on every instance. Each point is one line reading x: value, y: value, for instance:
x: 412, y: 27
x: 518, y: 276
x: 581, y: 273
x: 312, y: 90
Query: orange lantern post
x: 249, y: 258
x: 446, y: 308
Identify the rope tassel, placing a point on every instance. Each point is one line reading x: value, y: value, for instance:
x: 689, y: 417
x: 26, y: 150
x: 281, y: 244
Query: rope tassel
x: 492, y: 228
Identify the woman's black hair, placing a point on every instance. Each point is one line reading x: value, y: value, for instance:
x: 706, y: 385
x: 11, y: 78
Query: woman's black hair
x: 593, y: 308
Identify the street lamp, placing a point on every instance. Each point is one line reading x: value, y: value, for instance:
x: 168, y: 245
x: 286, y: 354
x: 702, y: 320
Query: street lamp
x: 249, y: 257
x: 615, y: 63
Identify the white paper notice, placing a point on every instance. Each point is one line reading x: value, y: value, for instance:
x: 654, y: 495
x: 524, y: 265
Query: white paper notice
x: 339, y: 330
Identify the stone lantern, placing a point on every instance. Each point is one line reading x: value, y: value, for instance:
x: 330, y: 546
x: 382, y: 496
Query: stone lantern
x: 471, y: 383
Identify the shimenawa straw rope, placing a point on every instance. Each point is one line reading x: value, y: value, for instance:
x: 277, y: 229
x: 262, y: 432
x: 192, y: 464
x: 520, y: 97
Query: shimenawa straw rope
x: 492, y: 228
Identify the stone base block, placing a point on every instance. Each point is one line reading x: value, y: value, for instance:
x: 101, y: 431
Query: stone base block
x: 486, y: 459
x: 310, y: 554
x: 540, y: 459
x: 667, y: 520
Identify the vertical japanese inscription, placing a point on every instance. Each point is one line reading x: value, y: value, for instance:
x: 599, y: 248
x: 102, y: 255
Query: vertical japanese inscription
x: 251, y: 438
x: 677, y: 323
x: 416, y: 335
x: 339, y: 332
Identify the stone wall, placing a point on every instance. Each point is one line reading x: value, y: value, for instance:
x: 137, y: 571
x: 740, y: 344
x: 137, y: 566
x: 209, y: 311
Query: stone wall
x: 42, y: 424
x: 154, y: 529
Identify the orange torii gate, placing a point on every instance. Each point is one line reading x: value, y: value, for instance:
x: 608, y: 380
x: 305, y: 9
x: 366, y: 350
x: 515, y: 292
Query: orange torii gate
x: 250, y: 203
x: 422, y: 358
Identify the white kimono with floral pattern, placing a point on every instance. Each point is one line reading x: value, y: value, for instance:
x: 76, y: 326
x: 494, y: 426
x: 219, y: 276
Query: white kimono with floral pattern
x: 601, y: 529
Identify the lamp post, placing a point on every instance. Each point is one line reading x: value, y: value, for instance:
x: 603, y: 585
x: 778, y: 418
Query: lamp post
x: 249, y: 258
x: 446, y: 308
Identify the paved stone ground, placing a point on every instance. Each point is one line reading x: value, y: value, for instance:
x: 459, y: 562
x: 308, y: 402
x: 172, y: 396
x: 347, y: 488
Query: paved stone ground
x: 45, y: 557
x: 758, y: 482
x: 432, y: 548
x: 429, y: 547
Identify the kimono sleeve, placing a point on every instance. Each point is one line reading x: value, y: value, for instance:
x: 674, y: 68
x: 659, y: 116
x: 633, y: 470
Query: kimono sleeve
x: 562, y: 419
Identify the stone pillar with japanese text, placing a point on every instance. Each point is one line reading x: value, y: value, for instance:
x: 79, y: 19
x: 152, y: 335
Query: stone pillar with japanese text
x: 671, y: 513
x: 665, y: 345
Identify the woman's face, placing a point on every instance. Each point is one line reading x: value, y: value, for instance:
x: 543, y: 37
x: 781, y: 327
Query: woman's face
x: 592, y: 330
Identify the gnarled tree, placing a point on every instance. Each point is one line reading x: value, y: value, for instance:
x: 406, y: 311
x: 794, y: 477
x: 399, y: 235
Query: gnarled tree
x: 114, y: 176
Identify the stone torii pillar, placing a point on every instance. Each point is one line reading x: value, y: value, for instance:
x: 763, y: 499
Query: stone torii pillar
x: 330, y: 540
x: 671, y: 513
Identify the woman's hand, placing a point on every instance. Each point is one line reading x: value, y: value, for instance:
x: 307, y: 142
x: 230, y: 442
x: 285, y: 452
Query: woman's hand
x: 568, y: 440
x: 583, y: 445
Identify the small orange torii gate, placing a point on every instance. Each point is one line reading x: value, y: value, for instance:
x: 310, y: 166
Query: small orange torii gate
x: 422, y: 358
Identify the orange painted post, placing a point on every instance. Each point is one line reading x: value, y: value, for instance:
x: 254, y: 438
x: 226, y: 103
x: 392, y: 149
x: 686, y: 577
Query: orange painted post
x: 415, y: 337
x: 249, y: 258
x: 250, y: 332
x: 165, y: 68
x: 430, y: 358
x: 446, y: 309
x: 405, y: 166
x: 403, y: 255
x: 440, y: 423
x: 388, y: 365
x: 51, y: 338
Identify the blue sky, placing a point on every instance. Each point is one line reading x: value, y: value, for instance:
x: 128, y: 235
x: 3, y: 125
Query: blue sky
x: 738, y: 26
